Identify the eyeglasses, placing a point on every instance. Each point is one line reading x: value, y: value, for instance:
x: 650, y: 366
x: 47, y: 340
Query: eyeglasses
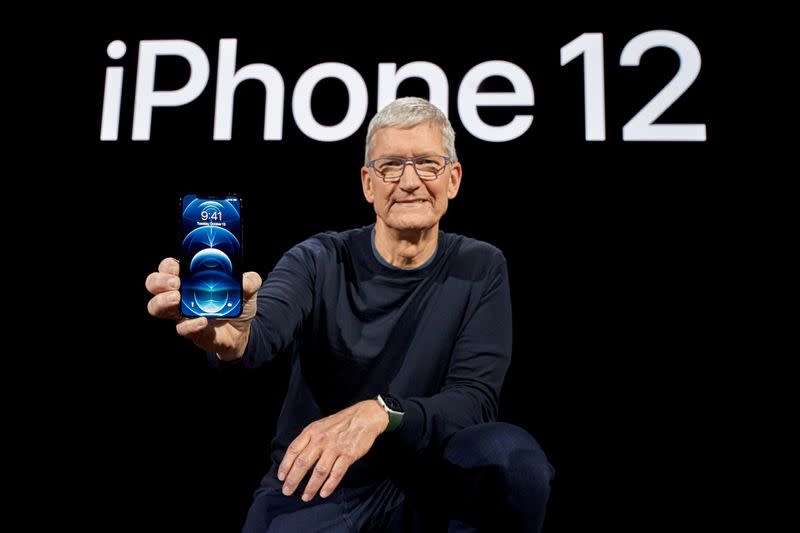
x: 427, y: 167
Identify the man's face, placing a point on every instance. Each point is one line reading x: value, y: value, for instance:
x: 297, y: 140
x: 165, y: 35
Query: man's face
x: 411, y: 203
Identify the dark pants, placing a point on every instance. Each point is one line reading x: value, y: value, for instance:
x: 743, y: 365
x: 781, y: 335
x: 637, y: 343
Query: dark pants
x: 491, y: 477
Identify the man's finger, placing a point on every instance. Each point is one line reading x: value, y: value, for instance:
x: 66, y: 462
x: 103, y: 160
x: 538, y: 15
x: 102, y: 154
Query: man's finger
x: 321, y: 472
x: 292, y: 452
x: 158, y: 282
x: 251, y: 282
x: 300, y: 467
x: 188, y: 327
x: 170, y: 266
x: 337, y: 473
x: 294, y: 449
x: 165, y: 304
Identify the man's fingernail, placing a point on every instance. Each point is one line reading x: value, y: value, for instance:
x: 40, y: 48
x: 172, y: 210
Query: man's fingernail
x: 281, y: 475
x: 173, y: 283
x: 323, y: 494
x: 306, y: 497
x: 286, y: 490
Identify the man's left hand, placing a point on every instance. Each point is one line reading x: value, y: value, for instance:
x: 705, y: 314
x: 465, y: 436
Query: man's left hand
x: 333, y: 443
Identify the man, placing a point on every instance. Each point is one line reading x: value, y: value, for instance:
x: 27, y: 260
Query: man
x: 400, y: 338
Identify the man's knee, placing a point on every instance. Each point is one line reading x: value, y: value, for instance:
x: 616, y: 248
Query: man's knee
x: 506, y: 452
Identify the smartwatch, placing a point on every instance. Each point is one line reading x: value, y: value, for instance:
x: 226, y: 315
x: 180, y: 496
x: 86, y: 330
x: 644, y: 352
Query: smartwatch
x: 392, y: 408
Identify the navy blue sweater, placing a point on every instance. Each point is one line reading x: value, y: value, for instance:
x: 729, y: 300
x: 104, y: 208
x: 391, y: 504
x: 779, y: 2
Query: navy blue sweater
x: 436, y: 337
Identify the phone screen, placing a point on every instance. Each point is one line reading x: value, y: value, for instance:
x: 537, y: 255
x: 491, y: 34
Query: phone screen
x: 211, y: 256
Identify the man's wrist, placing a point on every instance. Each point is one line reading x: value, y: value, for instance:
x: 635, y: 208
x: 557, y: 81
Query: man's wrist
x: 384, y: 417
x: 229, y: 356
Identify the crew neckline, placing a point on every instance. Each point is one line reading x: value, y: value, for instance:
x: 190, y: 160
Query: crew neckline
x: 387, y: 264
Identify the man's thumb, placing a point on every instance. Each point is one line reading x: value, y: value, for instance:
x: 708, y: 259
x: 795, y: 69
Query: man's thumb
x: 251, y: 282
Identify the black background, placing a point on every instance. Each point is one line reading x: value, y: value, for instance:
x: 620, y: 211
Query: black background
x: 614, y: 251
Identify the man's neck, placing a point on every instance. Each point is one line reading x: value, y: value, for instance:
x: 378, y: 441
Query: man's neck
x: 405, y: 249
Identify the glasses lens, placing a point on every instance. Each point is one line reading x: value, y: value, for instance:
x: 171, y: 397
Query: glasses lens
x: 430, y: 166
x: 389, y: 167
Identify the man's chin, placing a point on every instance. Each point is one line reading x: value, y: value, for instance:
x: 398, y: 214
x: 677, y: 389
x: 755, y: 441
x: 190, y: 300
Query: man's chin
x: 410, y: 224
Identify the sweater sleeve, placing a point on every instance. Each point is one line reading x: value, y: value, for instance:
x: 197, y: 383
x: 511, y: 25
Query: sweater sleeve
x: 471, y: 391
x: 284, y: 301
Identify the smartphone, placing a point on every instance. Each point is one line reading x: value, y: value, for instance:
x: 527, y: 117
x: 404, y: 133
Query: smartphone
x: 211, y: 255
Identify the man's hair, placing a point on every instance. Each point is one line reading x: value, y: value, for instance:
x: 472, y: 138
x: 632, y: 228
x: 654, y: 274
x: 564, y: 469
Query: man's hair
x: 407, y: 112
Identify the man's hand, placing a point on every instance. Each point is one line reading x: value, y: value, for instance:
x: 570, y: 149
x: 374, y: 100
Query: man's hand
x: 333, y: 443
x: 227, y: 337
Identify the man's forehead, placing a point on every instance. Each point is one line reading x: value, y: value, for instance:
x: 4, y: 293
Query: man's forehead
x: 423, y: 136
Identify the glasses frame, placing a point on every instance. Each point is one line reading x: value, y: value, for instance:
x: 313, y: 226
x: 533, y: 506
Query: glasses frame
x: 413, y: 161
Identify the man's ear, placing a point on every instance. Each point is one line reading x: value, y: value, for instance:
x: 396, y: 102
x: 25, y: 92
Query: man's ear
x: 454, y: 182
x: 366, y: 185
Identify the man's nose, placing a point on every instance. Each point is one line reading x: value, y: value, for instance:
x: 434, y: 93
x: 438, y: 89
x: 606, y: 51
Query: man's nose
x: 409, y: 179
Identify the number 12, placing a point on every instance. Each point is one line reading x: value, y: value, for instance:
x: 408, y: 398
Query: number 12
x: 640, y: 127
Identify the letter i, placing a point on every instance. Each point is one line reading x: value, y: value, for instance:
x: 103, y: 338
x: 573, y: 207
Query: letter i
x: 112, y: 95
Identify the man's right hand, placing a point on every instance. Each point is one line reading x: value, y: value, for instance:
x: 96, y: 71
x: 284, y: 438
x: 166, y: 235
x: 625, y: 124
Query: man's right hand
x: 227, y: 336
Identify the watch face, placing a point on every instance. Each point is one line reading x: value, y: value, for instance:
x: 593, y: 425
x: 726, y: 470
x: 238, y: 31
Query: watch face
x: 391, y: 403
